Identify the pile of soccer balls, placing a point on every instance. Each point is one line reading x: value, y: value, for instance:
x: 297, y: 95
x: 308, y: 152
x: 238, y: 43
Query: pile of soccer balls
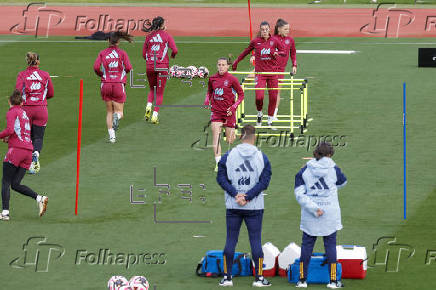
x: 189, y: 72
x: 121, y: 283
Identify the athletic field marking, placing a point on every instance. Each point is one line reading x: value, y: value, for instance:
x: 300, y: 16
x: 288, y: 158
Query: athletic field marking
x: 317, y: 51
x: 225, y: 42
x: 199, y: 236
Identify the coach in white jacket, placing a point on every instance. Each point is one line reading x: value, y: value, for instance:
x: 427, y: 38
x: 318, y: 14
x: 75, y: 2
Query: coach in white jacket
x: 316, y: 191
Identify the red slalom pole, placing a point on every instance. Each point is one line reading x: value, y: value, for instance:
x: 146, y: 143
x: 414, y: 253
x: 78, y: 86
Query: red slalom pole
x: 79, y: 141
x: 249, y: 17
x: 251, y: 26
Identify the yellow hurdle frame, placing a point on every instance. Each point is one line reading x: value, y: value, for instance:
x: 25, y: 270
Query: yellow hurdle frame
x: 290, y: 122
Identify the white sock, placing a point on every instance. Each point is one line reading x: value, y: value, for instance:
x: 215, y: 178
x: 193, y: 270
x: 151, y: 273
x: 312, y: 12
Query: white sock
x: 36, y: 153
x: 119, y: 115
x: 111, y: 132
x: 275, y: 112
x: 155, y: 114
x: 217, y: 159
x: 149, y: 104
x: 259, y: 113
x: 5, y: 212
x: 39, y: 198
x: 270, y: 120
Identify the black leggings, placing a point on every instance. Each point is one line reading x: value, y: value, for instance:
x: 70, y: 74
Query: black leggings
x: 12, y: 177
x: 37, y: 135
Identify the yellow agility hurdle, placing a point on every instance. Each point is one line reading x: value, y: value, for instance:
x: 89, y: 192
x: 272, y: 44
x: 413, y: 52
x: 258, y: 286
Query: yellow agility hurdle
x: 293, y: 121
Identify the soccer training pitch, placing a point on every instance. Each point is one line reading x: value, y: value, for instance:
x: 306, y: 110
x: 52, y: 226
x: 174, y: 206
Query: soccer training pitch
x: 357, y: 96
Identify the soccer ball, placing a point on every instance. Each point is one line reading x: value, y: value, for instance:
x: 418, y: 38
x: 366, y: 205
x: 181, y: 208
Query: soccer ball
x: 173, y: 70
x: 203, y: 72
x: 117, y: 283
x: 180, y: 71
x: 139, y: 283
x: 193, y: 70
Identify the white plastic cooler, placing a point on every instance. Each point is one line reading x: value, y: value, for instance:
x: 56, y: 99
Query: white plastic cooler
x: 287, y: 257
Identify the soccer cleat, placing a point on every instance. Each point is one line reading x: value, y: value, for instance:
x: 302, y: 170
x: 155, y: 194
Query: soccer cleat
x: 34, y: 166
x: 261, y: 282
x: 335, y: 284
x: 259, y: 119
x: 155, y: 119
x: 225, y: 282
x: 147, y: 113
x: 112, y: 139
x: 216, y: 167
x: 301, y: 284
x: 43, y: 205
x: 4, y: 217
x: 115, y: 121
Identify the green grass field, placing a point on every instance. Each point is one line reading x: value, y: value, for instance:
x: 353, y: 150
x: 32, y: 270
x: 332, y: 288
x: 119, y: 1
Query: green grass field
x: 358, y: 96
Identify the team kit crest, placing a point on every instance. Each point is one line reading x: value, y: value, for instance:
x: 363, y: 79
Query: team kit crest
x: 226, y: 82
x: 287, y: 41
x: 271, y: 43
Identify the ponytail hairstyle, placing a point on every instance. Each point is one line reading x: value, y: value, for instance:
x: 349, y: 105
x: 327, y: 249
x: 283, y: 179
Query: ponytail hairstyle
x: 32, y: 58
x: 262, y: 24
x: 15, y: 98
x: 156, y: 24
x: 280, y: 23
x: 322, y: 150
x: 114, y: 37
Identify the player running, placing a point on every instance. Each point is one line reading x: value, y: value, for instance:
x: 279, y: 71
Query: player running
x: 267, y: 49
x: 113, y: 65
x: 19, y: 156
x: 36, y: 87
x: 155, y: 53
x: 221, y: 94
x: 281, y: 32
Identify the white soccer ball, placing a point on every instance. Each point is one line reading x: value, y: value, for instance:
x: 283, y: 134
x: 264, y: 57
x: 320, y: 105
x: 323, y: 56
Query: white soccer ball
x: 203, y: 72
x: 173, y: 70
x: 139, y: 283
x: 180, y: 71
x: 117, y: 283
x: 194, y: 70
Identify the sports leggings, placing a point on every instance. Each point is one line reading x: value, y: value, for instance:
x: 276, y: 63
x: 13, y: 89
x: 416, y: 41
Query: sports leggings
x: 37, y: 136
x: 12, y: 177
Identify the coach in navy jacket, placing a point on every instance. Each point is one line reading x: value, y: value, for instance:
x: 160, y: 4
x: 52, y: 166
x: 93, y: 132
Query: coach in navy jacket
x: 244, y: 172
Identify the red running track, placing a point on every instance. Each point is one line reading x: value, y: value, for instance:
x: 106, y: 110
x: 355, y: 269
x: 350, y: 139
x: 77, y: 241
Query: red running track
x: 384, y: 21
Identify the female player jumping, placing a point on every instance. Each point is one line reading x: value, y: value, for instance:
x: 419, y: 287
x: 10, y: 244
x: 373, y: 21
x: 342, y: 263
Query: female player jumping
x: 221, y: 94
x: 36, y: 87
x: 113, y: 65
x: 19, y: 156
x: 266, y: 48
x: 281, y: 32
x: 155, y: 53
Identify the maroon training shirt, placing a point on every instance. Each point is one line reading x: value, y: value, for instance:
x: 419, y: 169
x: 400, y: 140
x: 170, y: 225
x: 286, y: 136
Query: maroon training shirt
x: 112, y: 65
x: 266, y: 61
x: 157, y: 43
x: 288, y: 44
x: 35, y: 86
x: 222, y: 91
x: 17, y: 128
